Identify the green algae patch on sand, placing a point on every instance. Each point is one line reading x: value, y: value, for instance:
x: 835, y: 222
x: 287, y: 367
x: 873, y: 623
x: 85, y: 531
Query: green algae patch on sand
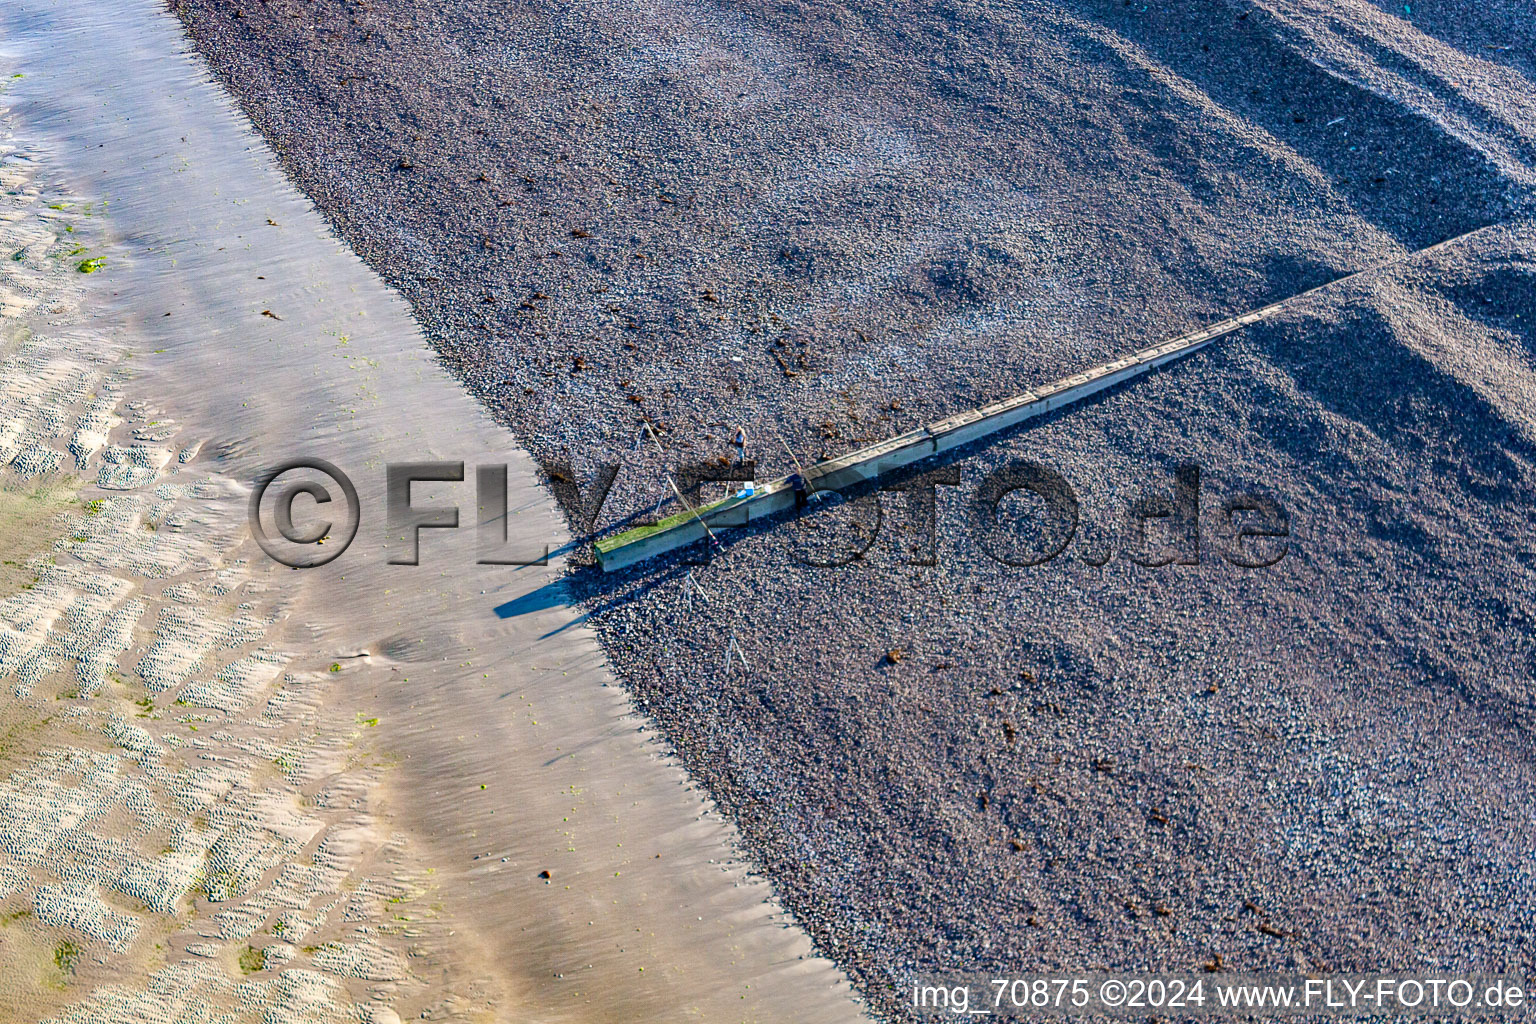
x: 34, y: 978
x: 66, y: 956
x: 252, y: 960
x: 90, y: 266
x: 28, y: 527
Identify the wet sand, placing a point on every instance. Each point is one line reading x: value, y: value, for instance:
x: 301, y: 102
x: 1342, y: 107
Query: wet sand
x: 360, y: 788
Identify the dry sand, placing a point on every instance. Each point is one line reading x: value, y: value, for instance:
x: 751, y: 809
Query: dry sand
x: 834, y: 221
x: 234, y: 791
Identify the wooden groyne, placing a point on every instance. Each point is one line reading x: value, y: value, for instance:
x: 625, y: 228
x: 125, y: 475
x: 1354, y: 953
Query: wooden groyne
x: 694, y: 524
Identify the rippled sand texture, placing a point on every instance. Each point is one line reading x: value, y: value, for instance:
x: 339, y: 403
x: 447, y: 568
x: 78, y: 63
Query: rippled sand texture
x: 232, y: 791
x: 183, y: 828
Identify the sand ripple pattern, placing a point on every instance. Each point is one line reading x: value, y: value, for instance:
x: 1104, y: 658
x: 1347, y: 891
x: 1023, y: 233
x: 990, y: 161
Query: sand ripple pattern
x: 185, y: 832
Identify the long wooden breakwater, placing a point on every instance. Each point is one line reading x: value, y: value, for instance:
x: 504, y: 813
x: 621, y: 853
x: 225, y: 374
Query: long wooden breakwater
x: 694, y: 524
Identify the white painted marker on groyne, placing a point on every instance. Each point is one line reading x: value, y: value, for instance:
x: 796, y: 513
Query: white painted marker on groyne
x: 876, y: 460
